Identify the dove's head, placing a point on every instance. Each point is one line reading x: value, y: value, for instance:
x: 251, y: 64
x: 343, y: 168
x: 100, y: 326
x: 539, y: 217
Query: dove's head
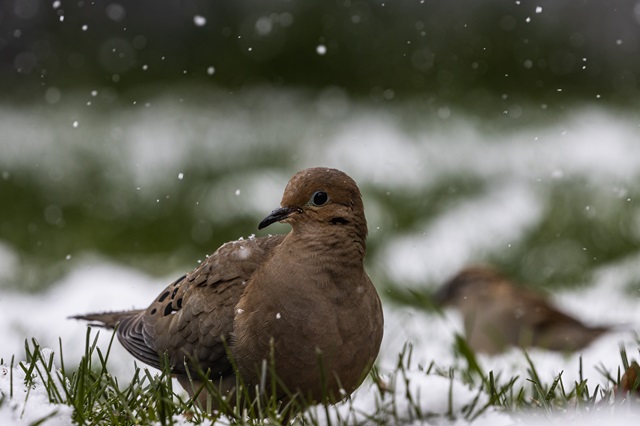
x: 320, y: 197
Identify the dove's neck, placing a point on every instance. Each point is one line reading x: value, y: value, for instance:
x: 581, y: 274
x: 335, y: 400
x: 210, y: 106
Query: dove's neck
x: 342, y: 245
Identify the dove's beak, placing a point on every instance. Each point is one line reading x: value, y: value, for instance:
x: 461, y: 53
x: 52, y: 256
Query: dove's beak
x: 278, y: 215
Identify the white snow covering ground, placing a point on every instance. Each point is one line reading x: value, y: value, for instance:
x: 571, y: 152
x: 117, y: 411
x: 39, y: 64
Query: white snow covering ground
x: 593, y: 144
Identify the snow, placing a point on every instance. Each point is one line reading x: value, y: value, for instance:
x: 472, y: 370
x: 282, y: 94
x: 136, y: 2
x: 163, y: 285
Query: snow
x: 433, y: 395
x: 99, y: 286
x: 94, y: 286
x: 597, y: 146
x: 494, y: 219
x: 29, y: 404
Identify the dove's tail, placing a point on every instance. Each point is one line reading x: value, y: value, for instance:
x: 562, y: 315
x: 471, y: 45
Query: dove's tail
x: 106, y: 319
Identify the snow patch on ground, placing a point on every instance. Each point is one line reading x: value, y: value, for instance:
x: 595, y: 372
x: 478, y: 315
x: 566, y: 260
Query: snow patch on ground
x: 92, y: 287
x: 460, y: 234
x: 104, y: 286
x: 29, y: 404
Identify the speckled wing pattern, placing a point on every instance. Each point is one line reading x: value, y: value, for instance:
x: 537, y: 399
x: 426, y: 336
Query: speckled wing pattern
x: 192, y: 318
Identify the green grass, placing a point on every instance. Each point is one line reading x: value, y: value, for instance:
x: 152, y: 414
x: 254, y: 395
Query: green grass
x: 96, y: 397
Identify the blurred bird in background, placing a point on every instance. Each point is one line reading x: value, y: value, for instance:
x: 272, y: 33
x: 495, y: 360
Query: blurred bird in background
x: 499, y: 313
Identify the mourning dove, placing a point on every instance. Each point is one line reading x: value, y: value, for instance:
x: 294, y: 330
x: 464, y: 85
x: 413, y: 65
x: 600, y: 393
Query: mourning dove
x: 303, y: 297
x: 498, y: 314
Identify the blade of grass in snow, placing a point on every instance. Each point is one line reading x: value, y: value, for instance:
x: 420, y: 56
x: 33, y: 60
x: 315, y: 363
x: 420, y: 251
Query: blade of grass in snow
x: 88, y: 394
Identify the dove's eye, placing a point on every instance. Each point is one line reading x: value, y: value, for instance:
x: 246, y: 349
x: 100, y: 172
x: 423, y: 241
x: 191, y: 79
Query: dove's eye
x: 319, y: 198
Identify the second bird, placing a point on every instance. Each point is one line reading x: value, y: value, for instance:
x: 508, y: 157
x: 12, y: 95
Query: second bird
x: 499, y: 313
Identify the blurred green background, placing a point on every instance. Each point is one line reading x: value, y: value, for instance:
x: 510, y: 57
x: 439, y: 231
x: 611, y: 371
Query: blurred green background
x: 148, y: 133
x: 465, y: 51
